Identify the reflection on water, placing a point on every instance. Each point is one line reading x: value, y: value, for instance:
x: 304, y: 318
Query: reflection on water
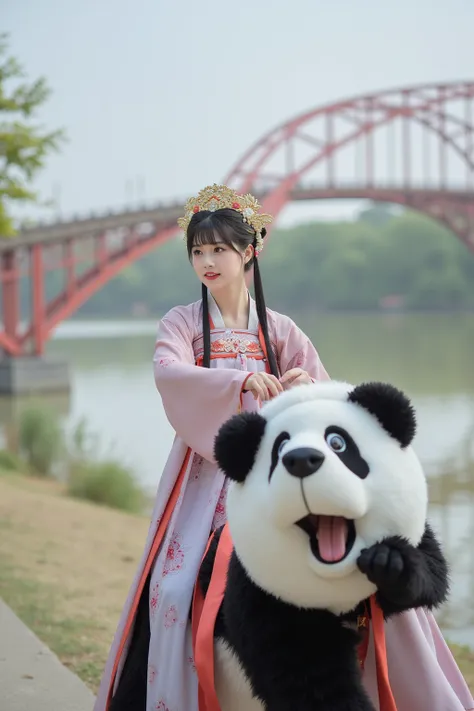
x: 431, y: 357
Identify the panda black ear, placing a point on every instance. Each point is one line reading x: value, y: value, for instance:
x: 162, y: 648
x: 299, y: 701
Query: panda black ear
x: 391, y: 408
x: 237, y: 443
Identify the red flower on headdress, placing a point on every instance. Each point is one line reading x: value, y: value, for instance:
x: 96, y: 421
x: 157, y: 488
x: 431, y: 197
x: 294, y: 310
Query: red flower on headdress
x: 196, y: 209
x: 235, y: 206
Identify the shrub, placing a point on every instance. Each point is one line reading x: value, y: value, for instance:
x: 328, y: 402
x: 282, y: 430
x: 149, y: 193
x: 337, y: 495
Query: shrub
x: 105, y: 482
x: 10, y: 462
x: 40, y: 439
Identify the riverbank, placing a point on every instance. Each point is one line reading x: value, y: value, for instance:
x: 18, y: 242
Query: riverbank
x: 66, y: 567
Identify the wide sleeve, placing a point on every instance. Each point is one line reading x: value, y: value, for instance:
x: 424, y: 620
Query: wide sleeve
x: 295, y: 350
x: 196, y: 400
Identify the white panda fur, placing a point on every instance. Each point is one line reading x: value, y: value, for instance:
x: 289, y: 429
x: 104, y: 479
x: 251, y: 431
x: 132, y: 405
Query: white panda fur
x: 276, y: 584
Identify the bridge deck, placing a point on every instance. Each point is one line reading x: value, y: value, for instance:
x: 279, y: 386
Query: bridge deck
x: 163, y: 216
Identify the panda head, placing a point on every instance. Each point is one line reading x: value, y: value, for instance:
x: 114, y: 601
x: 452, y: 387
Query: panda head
x: 322, y: 472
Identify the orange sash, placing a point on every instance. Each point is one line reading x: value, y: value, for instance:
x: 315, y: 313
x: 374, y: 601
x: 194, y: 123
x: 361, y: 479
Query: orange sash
x: 204, y: 614
x: 387, y: 702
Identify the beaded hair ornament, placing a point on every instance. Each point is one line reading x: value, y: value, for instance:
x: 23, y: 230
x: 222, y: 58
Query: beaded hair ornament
x: 217, y: 197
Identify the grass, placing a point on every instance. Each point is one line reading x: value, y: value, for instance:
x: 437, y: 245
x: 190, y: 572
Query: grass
x: 73, y: 640
x: 66, y: 566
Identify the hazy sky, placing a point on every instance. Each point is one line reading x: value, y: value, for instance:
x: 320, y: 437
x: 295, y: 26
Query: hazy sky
x: 173, y: 93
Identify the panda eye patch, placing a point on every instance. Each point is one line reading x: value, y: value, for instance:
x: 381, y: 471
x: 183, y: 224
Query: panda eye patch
x: 278, y: 445
x: 342, y: 444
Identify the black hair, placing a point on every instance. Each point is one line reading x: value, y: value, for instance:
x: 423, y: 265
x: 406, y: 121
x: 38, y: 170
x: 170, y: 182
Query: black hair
x: 227, y: 226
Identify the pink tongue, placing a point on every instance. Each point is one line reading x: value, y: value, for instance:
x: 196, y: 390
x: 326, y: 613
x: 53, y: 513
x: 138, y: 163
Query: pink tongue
x: 332, y: 538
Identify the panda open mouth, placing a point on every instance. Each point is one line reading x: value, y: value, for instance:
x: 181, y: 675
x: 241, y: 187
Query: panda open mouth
x: 331, y: 537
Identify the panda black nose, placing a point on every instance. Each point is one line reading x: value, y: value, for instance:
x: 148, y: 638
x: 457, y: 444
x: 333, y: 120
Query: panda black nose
x: 303, y: 461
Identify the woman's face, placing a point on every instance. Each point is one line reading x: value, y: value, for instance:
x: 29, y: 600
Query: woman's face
x: 219, y: 266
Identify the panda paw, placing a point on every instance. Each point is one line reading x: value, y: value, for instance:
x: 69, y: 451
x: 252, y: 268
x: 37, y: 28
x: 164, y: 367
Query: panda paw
x: 396, y: 568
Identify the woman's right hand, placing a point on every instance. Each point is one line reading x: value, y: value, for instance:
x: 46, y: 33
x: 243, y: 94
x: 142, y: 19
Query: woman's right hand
x: 263, y: 385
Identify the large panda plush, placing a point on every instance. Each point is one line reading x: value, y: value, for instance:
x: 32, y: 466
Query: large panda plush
x: 327, y: 506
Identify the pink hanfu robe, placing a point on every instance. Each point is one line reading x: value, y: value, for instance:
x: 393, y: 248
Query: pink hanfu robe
x: 197, y: 401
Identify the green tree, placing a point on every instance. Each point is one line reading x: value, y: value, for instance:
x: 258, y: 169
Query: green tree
x: 24, y: 145
x: 377, y: 214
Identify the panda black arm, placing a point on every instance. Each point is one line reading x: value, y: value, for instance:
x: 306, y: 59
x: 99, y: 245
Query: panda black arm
x: 205, y: 571
x: 407, y: 577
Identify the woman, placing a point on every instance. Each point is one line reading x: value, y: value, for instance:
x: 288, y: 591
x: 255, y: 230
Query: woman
x: 216, y: 356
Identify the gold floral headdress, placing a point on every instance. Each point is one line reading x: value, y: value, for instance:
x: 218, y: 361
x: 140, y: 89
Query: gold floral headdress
x: 217, y: 197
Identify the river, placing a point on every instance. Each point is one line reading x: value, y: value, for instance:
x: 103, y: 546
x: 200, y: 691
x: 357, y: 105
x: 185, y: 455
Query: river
x: 430, y: 356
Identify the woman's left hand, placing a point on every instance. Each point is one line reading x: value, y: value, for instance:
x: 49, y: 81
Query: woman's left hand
x: 295, y: 376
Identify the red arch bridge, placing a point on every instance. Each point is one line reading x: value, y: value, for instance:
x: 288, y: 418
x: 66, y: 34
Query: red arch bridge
x: 412, y: 146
